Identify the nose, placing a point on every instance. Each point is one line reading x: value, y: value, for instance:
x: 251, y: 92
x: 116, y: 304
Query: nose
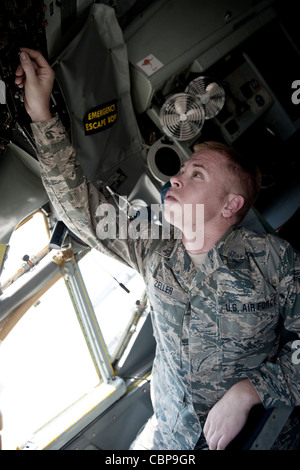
x: 176, y: 181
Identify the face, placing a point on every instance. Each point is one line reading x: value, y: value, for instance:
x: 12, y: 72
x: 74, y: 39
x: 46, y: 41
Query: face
x: 202, y: 180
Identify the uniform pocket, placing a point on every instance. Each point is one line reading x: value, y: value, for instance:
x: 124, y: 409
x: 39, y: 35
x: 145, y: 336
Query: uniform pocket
x: 168, y: 314
x: 168, y: 302
x: 247, y: 331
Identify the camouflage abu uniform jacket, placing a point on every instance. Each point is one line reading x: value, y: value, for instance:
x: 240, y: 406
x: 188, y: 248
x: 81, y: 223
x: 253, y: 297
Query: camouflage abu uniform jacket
x: 213, y: 327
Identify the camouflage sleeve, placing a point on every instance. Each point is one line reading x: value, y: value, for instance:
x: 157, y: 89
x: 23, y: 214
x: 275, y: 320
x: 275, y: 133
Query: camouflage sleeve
x: 277, y: 382
x: 73, y: 196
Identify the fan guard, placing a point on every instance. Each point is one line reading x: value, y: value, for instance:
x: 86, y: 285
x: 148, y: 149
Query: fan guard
x: 182, y: 116
x: 210, y: 93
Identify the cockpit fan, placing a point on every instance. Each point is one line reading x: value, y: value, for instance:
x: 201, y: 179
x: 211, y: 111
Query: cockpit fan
x: 209, y: 92
x: 182, y: 116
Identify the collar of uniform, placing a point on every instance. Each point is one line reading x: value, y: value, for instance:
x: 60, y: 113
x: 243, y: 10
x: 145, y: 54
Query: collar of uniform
x: 169, y: 244
x: 177, y: 258
x: 231, y: 244
x: 182, y: 265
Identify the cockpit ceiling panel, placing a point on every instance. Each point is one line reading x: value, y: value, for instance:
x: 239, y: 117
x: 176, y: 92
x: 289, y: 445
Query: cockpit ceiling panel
x: 173, y: 36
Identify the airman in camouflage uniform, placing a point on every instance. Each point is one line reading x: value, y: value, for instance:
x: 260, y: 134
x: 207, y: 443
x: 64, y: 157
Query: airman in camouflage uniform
x: 217, y: 328
x: 213, y: 326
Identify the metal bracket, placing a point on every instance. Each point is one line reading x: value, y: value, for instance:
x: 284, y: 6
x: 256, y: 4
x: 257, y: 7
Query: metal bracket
x: 85, y: 312
x: 271, y: 429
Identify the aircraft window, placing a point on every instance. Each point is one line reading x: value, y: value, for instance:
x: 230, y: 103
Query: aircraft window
x: 29, y: 240
x: 48, y: 373
x: 45, y: 366
x: 115, y: 308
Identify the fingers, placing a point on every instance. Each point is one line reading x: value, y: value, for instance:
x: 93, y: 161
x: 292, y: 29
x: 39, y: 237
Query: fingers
x: 216, y: 436
x: 36, y: 57
x: 32, y: 69
x: 20, y: 76
x: 35, y: 75
x: 216, y: 441
x: 210, y: 436
x: 27, y: 67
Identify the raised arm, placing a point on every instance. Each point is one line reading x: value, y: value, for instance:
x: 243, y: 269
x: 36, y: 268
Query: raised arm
x: 74, y: 197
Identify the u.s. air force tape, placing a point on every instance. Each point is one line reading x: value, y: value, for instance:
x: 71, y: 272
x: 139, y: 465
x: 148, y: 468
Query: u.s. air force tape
x: 100, y: 118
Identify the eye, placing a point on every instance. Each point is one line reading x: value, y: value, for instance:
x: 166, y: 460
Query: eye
x: 197, y: 174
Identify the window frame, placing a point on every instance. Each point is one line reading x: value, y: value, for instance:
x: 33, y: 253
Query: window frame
x: 64, y: 426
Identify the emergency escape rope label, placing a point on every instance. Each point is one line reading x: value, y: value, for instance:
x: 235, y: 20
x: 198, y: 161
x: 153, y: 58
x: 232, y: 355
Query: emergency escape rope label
x: 100, y: 118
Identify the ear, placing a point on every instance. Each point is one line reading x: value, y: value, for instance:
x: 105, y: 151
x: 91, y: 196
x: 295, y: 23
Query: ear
x: 233, y: 204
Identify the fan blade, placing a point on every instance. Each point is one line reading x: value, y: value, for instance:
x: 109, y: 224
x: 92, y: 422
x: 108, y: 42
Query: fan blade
x: 170, y: 119
x: 171, y: 124
x: 210, y: 93
x: 186, y: 130
x: 195, y: 115
x: 182, y: 116
x: 214, y: 89
x: 180, y: 105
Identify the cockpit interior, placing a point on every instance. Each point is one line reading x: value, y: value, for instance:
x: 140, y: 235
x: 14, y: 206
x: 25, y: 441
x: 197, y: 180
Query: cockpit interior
x: 147, y: 77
